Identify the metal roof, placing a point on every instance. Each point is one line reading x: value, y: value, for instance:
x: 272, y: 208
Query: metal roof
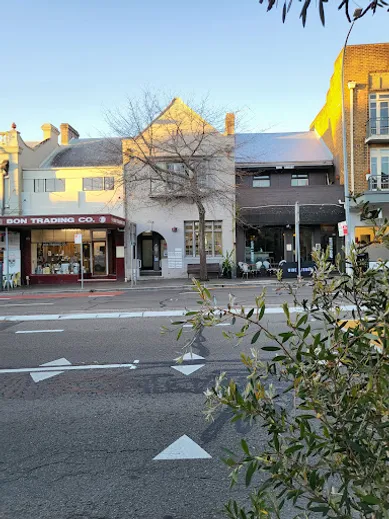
x: 293, y: 148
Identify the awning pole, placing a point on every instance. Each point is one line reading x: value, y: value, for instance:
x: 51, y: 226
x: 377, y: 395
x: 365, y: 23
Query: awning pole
x: 6, y: 258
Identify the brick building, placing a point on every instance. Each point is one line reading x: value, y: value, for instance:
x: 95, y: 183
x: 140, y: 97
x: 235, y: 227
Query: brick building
x: 366, y: 98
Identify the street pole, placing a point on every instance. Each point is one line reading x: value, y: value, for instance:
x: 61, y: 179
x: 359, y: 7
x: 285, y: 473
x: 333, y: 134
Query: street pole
x: 7, y: 258
x: 297, y: 239
x: 82, y: 264
x: 347, y: 238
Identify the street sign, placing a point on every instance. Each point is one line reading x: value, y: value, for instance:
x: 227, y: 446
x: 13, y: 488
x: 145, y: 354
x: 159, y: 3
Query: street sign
x: 342, y: 228
x: 78, y: 239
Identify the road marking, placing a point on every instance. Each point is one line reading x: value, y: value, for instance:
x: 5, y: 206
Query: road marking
x: 66, y: 368
x: 26, y: 304
x: 39, y: 331
x: 132, y: 315
x: 38, y: 377
x: 183, y: 449
x: 188, y: 370
x: 190, y: 356
x: 111, y: 295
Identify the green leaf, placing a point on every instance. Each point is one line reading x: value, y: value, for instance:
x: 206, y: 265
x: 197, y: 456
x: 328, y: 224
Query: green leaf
x: 323, y: 509
x: 245, y: 447
x: 261, y: 312
x: 250, y: 472
x: 370, y: 500
x: 179, y: 333
x: 255, y: 337
x: 270, y: 348
x: 250, y: 313
x: 294, y: 448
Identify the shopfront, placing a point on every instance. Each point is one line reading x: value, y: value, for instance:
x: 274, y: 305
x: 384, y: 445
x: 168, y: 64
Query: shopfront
x: 49, y: 253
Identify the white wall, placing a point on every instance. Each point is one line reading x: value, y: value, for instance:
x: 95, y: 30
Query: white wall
x: 153, y: 214
x: 73, y: 200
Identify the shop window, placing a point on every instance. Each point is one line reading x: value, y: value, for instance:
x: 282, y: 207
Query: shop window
x: 300, y: 180
x: 213, y: 238
x: 261, y: 181
x: 49, y: 185
x: 53, y: 251
x: 98, y: 183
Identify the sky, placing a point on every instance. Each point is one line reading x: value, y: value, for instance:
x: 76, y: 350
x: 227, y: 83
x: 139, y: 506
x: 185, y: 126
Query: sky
x: 71, y: 61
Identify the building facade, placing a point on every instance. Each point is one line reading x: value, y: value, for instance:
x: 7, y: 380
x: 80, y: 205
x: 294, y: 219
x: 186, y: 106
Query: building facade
x: 52, y: 192
x: 273, y: 172
x: 164, y: 205
x: 366, y: 101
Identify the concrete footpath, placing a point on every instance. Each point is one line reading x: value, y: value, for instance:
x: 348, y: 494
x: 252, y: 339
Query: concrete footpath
x: 147, y: 284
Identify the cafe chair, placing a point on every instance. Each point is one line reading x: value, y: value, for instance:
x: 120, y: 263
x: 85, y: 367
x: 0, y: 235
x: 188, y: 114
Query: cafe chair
x: 258, y: 267
x: 245, y: 270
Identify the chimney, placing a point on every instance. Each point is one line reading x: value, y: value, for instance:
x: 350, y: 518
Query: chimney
x: 230, y: 124
x: 68, y: 133
x: 49, y: 131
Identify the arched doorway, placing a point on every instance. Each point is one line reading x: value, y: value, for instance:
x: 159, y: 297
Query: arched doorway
x: 152, y: 248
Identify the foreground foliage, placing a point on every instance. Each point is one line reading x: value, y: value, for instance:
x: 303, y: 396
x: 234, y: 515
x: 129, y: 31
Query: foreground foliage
x: 328, y: 426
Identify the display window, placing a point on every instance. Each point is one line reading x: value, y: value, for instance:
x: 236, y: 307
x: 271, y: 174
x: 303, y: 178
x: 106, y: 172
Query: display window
x: 53, y: 251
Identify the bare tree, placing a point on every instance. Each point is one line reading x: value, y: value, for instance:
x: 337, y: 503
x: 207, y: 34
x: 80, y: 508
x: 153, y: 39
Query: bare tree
x: 177, y: 155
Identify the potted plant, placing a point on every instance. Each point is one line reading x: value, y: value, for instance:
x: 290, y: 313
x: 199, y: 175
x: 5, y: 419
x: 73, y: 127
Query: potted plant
x: 227, y: 264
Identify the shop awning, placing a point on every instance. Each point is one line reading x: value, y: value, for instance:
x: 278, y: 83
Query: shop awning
x: 65, y: 220
x: 285, y: 215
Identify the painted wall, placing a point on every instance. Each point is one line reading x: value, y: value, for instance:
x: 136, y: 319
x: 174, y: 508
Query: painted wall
x: 178, y: 131
x: 20, y: 155
x: 73, y: 200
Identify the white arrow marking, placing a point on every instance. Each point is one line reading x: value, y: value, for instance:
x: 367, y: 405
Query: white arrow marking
x: 183, y: 449
x: 188, y: 370
x: 37, y: 377
x: 190, y: 356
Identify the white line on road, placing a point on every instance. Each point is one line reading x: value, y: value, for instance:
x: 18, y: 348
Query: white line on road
x: 26, y: 304
x: 148, y: 313
x: 66, y: 368
x: 103, y: 295
x: 39, y: 331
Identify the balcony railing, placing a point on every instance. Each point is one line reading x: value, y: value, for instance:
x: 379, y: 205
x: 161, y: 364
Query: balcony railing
x: 377, y: 128
x: 378, y: 182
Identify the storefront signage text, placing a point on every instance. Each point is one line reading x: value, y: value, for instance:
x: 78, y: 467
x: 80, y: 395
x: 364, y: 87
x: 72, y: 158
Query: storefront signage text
x: 58, y: 220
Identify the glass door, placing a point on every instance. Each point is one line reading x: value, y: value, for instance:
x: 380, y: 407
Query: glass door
x: 99, y: 258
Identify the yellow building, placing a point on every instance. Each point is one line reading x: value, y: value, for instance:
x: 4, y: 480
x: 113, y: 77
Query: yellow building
x: 366, y: 101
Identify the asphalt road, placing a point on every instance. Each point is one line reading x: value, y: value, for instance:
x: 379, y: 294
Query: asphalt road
x: 81, y: 444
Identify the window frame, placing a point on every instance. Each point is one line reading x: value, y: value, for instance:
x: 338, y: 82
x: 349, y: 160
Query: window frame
x: 260, y: 178
x: 376, y: 170
x: 378, y: 126
x: 100, y: 181
x: 214, y: 226
x: 41, y: 185
x: 297, y: 177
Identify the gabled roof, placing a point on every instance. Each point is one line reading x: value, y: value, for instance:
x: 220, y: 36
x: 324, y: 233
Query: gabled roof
x: 289, y: 148
x: 87, y: 152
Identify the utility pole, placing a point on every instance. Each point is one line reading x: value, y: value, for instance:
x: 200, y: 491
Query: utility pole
x: 297, y: 239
